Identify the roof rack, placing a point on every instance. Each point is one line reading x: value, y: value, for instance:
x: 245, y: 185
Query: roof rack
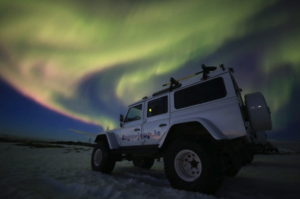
x: 205, y: 71
x: 175, y: 83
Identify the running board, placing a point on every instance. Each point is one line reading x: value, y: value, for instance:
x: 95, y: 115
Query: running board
x: 143, y: 149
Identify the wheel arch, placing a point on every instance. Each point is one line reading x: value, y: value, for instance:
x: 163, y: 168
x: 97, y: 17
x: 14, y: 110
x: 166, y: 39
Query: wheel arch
x: 108, y: 138
x: 192, y: 127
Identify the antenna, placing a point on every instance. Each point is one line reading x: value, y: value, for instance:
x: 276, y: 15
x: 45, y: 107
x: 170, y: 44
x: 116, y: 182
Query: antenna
x: 120, y: 113
x: 222, y: 67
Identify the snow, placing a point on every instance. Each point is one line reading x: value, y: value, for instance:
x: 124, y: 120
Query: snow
x: 286, y: 146
x: 66, y: 173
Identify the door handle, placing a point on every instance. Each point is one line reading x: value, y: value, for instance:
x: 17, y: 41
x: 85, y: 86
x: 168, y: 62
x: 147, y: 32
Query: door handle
x: 136, y: 129
x: 161, y: 125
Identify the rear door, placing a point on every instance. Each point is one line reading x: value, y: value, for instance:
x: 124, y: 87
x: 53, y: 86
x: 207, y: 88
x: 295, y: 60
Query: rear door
x: 156, y: 114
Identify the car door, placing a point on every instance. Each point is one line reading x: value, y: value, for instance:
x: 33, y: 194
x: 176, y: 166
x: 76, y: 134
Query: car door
x: 131, y: 131
x: 157, y: 119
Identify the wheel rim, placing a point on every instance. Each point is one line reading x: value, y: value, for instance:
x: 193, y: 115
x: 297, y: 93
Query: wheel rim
x: 97, y: 157
x: 188, y: 165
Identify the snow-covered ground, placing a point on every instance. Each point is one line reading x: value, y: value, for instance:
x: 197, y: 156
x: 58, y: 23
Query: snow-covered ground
x: 284, y: 145
x: 66, y: 173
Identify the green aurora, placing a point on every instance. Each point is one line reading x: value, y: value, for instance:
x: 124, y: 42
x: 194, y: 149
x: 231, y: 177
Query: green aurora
x: 50, y: 48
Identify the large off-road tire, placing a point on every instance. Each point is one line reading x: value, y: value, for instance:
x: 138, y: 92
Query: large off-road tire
x: 193, y: 165
x: 258, y: 112
x: 236, y: 162
x: 248, y: 157
x: 145, y: 162
x: 101, y: 158
x: 232, y: 171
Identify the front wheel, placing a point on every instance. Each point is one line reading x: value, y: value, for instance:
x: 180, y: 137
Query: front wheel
x: 101, y: 158
x: 194, y: 166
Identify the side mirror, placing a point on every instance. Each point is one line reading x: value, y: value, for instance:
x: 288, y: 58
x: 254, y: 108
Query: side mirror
x: 121, y: 120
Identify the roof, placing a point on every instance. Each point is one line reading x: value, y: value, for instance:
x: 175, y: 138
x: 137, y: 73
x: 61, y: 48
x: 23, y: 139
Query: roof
x: 184, y: 83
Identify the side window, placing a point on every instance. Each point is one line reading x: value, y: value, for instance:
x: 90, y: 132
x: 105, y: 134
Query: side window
x: 157, y: 106
x: 200, y: 93
x: 134, y: 113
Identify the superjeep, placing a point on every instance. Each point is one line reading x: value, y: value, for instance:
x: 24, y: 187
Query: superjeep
x: 202, y: 128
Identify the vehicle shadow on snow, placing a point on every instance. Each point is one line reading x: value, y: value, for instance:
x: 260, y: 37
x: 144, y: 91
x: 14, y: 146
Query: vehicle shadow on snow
x: 263, y: 179
x: 248, y: 187
x: 153, y: 177
x: 283, y: 165
x: 239, y: 186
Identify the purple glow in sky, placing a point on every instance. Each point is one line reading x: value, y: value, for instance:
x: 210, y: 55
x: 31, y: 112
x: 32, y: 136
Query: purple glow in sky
x: 84, y: 61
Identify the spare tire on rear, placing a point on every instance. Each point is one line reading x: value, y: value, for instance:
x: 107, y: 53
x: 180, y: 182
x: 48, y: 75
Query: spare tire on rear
x: 258, y: 112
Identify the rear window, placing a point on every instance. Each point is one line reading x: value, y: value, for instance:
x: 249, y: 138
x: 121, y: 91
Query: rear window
x: 200, y: 93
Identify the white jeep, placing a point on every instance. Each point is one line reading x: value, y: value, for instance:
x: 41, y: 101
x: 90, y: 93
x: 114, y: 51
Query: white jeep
x: 202, y: 128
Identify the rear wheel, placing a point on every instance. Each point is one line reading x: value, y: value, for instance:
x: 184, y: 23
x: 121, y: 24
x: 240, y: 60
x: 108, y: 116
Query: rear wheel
x: 236, y: 161
x: 101, y: 158
x: 248, y: 157
x: 190, y: 168
x: 232, y: 171
x: 145, y: 163
x: 194, y: 166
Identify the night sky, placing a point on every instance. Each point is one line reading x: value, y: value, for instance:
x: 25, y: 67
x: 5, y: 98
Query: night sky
x: 78, y: 64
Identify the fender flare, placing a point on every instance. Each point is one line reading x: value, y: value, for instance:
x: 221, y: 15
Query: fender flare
x: 209, y: 126
x: 110, y: 138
